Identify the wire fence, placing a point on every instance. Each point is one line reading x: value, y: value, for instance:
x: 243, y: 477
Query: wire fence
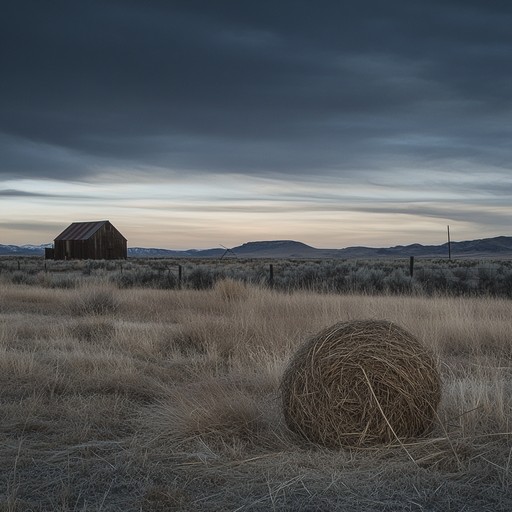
x: 404, y: 275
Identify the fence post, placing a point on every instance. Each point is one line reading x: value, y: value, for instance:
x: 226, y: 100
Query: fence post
x: 449, y: 245
x: 271, y: 275
x: 180, y: 276
x: 411, y: 266
x: 19, y: 265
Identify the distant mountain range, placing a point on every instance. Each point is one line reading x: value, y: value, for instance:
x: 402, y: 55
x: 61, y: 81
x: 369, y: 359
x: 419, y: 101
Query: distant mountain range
x: 498, y: 247
x: 23, y: 250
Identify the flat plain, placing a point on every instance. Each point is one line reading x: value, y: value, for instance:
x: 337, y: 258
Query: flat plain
x: 138, y: 398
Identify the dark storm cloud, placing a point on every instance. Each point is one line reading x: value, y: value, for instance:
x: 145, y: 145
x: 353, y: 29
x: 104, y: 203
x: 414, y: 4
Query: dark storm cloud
x: 288, y: 87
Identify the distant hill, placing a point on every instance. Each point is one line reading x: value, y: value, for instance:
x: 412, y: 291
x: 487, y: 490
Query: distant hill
x: 498, y: 247
x: 23, y: 250
x: 143, y: 252
x: 276, y: 249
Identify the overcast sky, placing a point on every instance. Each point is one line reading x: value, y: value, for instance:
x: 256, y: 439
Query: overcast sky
x: 196, y: 123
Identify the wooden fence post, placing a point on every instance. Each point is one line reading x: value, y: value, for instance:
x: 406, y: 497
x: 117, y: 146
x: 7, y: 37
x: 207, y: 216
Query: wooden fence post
x: 411, y: 266
x: 449, y: 245
x: 271, y: 275
x: 180, y: 276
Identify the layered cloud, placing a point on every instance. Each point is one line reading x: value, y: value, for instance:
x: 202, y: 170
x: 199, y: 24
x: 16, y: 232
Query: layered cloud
x: 257, y: 88
x: 412, y: 98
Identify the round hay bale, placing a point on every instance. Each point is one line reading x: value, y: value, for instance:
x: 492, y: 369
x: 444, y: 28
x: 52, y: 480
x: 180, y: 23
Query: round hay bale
x: 361, y: 383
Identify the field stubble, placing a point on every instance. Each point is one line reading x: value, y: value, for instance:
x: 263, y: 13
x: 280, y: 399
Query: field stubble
x: 140, y: 399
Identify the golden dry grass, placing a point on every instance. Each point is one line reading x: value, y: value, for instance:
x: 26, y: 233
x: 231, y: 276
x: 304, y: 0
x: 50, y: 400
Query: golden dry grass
x: 168, y: 400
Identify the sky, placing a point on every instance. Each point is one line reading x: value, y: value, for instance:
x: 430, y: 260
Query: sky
x: 195, y: 123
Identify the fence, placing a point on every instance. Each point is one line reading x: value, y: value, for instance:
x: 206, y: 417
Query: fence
x: 405, y: 275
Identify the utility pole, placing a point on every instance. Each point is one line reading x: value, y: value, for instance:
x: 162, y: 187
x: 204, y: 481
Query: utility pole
x: 449, y: 245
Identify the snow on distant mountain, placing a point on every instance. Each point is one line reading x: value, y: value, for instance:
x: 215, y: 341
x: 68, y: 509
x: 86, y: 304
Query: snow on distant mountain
x: 151, y: 252
x: 41, y: 247
x: 500, y: 246
x: 23, y: 250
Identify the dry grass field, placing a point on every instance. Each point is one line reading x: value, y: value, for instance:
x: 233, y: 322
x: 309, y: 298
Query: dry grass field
x: 143, y: 399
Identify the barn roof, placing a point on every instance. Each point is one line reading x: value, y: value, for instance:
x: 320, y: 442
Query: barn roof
x: 81, y: 230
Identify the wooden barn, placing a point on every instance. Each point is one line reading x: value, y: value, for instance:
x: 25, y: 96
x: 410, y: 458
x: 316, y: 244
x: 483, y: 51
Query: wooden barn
x: 98, y: 240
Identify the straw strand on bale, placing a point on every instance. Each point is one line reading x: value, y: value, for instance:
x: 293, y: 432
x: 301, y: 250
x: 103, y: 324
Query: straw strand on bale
x: 361, y: 383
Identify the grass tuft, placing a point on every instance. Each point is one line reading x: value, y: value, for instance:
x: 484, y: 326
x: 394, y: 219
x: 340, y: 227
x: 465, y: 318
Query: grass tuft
x: 94, y: 301
x: 231, y: 290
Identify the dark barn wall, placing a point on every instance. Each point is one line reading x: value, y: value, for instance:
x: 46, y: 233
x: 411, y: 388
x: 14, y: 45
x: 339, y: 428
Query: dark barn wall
x: 71, y: 250
x: 106, y: 243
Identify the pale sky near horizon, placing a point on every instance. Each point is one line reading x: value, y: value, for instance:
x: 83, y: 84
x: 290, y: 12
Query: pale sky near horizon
x: 190, y: 124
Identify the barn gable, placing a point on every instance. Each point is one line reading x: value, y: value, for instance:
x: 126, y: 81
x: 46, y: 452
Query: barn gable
x: 90, y: 240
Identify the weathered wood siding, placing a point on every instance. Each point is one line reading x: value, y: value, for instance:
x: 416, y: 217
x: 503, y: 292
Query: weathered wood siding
x: 106, y: 244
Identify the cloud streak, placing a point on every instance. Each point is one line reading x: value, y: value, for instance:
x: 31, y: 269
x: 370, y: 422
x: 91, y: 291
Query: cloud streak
x: 10, y: 192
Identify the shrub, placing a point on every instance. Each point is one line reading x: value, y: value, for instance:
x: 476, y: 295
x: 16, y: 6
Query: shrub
x: 145, y: 278
x: 200, y: 278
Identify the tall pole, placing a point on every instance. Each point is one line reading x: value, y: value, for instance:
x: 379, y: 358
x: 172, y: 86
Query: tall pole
x: 449, y: 245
